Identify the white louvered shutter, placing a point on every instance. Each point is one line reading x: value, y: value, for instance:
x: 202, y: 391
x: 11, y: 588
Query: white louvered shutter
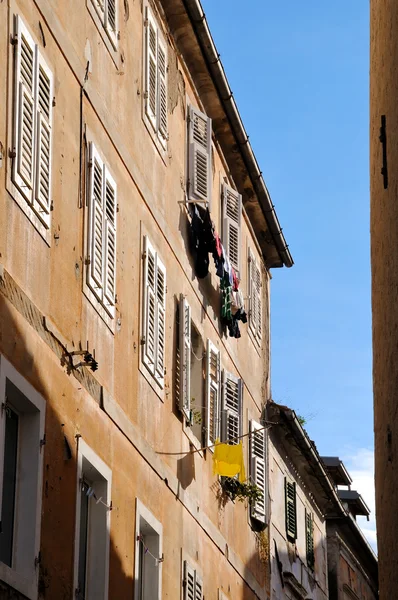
x: 199, y: 156
x: 24, y: 110
x: 162, y: 92
x: 160, y: 320
x: 231, y: 414
x: 42, y: 202
x: 189, y: 582
x: 255, y: 294
x: 149, y: 306
x: 110, y: 201
x: 198, y: 587
x: 213, y: 385
x: 111, y: 21
x: 185, y: 357
x: 232, y: 216
x: 151, y: 70
x: 258, y: 286
x: 257, y: 468
x: 95, y: 271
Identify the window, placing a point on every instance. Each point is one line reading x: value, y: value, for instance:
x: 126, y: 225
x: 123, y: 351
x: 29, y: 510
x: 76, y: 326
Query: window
x: 93, y: 503
x: 32, y: 136
x: 148, y: 555
x: 255, y: 296
x: 101, y: 232
x: 199, y: 156
x: 107, y: 12
x: 290, y: 510
x: 192, y: 352
x: 309, y: 539
x: 155, y: 78
x: 213, y: 387
x: 154, y: 313
x: 231, y: 411
x: 231, y: 228
x: 22, y: 420
x: 193, y: 585
x: 258, y: 469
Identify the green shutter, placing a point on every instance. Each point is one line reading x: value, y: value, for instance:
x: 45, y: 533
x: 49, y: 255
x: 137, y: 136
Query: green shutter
x: 290, y: 510
x: 309, y: 539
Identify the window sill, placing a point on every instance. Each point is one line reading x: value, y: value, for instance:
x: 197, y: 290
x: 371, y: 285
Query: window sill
x: 44, y: 232
x: 99, y: 309
x: 191, y: 437
x: 162, y: 150
x: 145, y: 372
x: 113, y: 52
x: 26, y: 586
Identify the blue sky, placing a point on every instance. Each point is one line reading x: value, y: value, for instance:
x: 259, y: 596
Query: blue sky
x: 299, y: 73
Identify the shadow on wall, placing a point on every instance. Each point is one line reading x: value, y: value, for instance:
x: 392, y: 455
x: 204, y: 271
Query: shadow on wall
x: 281, y: 571
x: 56, y: 565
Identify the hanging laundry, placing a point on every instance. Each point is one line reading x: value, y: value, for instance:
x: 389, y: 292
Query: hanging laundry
x: 218, y: 245
x: 228, y: 460
x: 226, y: 312
x: 235, y: 281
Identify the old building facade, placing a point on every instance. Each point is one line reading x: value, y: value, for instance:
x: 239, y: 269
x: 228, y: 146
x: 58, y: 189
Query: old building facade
x: 118, y: 130
x: 317, y: 549
x: 384, y: 216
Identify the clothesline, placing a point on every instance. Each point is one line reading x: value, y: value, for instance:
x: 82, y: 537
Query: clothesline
x: 147, y: 551
x: 239, y: 437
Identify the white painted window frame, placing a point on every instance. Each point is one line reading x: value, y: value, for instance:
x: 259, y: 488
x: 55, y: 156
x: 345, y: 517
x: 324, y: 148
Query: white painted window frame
x: 159, y: 130
x: 107, y: 313
x: 24, y: 575
x: 103, y: 15
x: 31, y: 208
x: 84, y: 451
x: 141, y: 512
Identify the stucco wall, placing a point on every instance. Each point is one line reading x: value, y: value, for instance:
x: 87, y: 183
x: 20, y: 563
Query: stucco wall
x: 384, y: 218
x: 292, y: 556
x: 180, y: 492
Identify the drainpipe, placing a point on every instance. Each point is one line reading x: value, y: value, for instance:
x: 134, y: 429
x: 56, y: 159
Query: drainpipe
x: 202, y: 31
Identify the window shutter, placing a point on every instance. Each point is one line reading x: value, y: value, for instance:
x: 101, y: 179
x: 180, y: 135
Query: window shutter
x: 44, y: 141
x: 290, y: 510
x: 213, y: 384
x: 162, y: 81
x: 258, y: 469
x: 309, y: 539
x: 95, y: 246
x: 199, y: 156
x: 231, y: 415
x: 24, y: 110
x: 189, y: 582
x: 198, y: 587
x: 232, y: 215
x: 110, y: 241
x: 151, y: 78
x: 111, y: 21
x: 255, y: 294
x: 160, y: 319
x: 149, y: 306
x: 185, y: 357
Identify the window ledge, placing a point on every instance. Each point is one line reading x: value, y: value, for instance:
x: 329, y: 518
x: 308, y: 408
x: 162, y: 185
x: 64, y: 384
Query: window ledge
x: 114, y: 54
x: 100, y: 310
x: 16, y: 196
x: 191, y: 437
x: 25, y: 585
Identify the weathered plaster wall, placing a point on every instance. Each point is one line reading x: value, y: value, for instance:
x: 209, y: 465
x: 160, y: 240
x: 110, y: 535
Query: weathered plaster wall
x: 384, y: 219
x: 181, y: 493
x: 293, y: 556
x: 347, y: 576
